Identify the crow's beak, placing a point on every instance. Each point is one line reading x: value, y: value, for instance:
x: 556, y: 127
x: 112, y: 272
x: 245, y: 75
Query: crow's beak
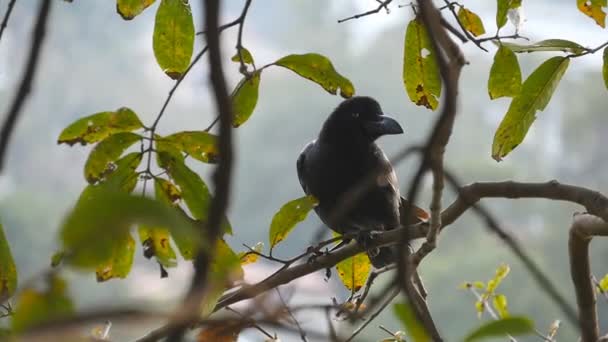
x: 384, y: 126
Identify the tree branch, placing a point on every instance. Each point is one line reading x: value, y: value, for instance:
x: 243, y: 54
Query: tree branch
x: 381, y: 5
x: 7, y: 15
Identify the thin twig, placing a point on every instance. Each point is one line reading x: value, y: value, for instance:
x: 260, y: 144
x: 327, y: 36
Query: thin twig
x: 7, y: 15
x: 26, y: 82
x: 257, y: 326
x: 382, y: 4
x: 381, y: 308
x: 293, y: 318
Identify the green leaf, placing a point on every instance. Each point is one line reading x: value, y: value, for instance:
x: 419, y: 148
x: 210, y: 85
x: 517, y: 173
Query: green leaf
x: 605, y: 67
x: 198, y: 144
x: 157, y: 243
x: 247, y: 57
x: 57, y: 258
x: 166, y: 191
x: 288, y: 216
x: 501, y: 273
x: 503, y: 7
x: 534, y: 96
x: 471, y: 21
x: 129, y: 9
x: 244, y: 99
x: 408, y: 318
x: 354, y: 271
x: 102, y: 218
x: 96, y: 127
x: 420, y: 71
x: 604, y: 283
x: 546, y: 45
x: 505, y: 74
x: 119, y: 265
x: 8, y: 270
x: 513, y: 326
x: 107, y: 151
x: 593, y: 9
x: 35, y: 307
x: 320, y: 70
x: 123, y: 177
x: 173, y: 38
x: 500, y: 304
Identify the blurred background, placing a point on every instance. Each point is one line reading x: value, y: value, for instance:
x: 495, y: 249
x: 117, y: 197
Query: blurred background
x: 95, y: 61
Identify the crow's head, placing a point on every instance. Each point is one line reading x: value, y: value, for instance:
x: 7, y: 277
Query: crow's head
x: 359, y: 118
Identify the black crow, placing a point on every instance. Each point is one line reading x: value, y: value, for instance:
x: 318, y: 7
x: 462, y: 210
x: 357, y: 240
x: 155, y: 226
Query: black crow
x: 342, y: 158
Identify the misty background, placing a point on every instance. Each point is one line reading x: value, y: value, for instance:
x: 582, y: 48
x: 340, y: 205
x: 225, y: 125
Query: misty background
x: 93, y: 61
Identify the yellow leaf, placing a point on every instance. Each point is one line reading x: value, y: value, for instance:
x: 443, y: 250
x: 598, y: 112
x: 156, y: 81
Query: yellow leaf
x: 354, y: 271
x: 500, y: 304
x: 129, y: 9
x: 8, y: 271
x: 593, y: 9
x: 471, y: 22
x: 250, y: 257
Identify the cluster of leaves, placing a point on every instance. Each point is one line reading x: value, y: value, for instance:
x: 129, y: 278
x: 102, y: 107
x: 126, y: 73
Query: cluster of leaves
x: 488, y: 293
x: 423, y: 82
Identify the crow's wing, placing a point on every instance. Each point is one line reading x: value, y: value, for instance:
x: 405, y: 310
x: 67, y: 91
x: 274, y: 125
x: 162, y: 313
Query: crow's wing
x: 301, y: 166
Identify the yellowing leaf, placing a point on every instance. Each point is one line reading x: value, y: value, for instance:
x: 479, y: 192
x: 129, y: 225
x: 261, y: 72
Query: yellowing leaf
x: 420, y: 71
x: 288, y: 216
x: 247, y: 57
x: 479, y: 307
x: 503, y: 7
x: 244, y: 99
x: 593, y: 9
x: 249, y: 257
x: 513, y: 326
x: 108, y: 150
x: 409, y: 320
x: 534, y: 96
x: 157, y: 243
x: 123, y: 176
x: 129, y: 9
x: 501, y: 273
x: 226, y: 265
x: 119, y: 265
x: 605, y: 67
x: 471, y: 22
x: 546, y: 45
x: 500, y: 304
x: 35, y: 307
x: 354, y: 271
x: 199, y: 145
x: 96, y: 127
x: 505, y: 74
x: 320, y: 70
x: 173, y: 38
x: 604, y: 283
x: 166, y: 191
x: 8, y: 270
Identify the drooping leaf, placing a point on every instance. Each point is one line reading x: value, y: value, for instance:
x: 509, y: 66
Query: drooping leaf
x: 173, y: 38
x: 123, y: 176
x: 514, y: 326
x: 534, y: 96
x: 96, y: 127
x: 198, y: 144
x: 420, y: 71
x: 354, y: 271
x: 593, y: 9
x: 503, y: 7
x: 500, y: 304
x: 505, y: 74
x: 35, y: 307
x: 107, y: 151
x: 320, y: 70
x: 129, y: 9
x: 119, y: 265
x: 245, y: 54
x: 288, y: 216
x: 471, y: 21
x: 8, y: 270
x: 605, y: 67
x: 102, y: 218
x: 406, y: 315
x: 244, y: 99
x: 546, y: 45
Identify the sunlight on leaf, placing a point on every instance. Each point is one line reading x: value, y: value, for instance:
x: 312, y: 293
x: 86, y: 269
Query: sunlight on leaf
x: 514, y: 326
x: 8, y: 270
x: 354, y: 271
x: 408, y: 319
x: 288, y: 216
x: 129, y: 9
x: 119, y: 264
x: 96, y: 127
x: 244, y: 99
x: 198, y: 144
x: 320, y: 70
x: 505, y: 74
x: 594, y: 10
x: 503, y: 7
x: 420, y: 71
x: 471, y: 22
x: 106, y: 152
x: 173, y: 39
x: 534, y: 96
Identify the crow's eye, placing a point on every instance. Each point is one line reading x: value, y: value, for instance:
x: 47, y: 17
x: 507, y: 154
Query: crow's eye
x: 355, y: 115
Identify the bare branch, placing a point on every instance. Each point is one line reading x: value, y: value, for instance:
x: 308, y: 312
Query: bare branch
x: 381, y: 5
x: 7, y: 15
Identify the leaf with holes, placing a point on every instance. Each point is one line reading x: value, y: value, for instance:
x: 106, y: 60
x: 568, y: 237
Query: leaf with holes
x: 420, y: 71
x: 8, y: 270
x: 503, y: 7
x: 290, y: 214
x: 410, y: 322
x: 245, y: 54
x: 119, y: 264
x: 198, y: 144
x: 156, y: 242
x: 123, y: 176
x: 563, y: 45
x: 129, y: 9
x: 244, y: 99
x: 354, y: 271
x: 471, y: 22
x: 173, y: 38
x: 96, y: 127
x: 594, y: 10
x: 505, y: 74
x: 107, y: 151
x: 320, y: 70
x: 514, y: 326
x: 535, y: 94
x: 35, y: 307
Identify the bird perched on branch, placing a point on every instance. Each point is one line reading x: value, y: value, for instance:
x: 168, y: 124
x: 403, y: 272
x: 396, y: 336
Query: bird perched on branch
x: 351, y: 177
